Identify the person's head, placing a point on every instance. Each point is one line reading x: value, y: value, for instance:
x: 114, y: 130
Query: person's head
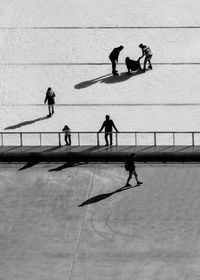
x: 132, y: 155
x: 49, y: 89
x: 121, y: 48
x: 66, y: 127
x: 141, y: 46
x: 127, y: 59
x: 107, y: 117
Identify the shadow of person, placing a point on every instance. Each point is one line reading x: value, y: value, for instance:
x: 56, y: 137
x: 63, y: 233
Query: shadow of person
x: 25, y: 123
x: 28, y: 165
x: 122, y: 77
x: 108, y: 79
x: 99, y: 197
x: 89, y: 82
x: 67, y: 165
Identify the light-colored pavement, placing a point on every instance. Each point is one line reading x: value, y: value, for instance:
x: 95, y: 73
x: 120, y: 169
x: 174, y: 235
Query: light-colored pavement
x: 147, y: 232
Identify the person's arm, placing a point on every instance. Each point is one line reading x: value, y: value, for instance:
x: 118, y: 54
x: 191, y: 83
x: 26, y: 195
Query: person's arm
x: 141, y: 55
x: 45, y: 99
x: 101, y: 127
x: 115, y: 127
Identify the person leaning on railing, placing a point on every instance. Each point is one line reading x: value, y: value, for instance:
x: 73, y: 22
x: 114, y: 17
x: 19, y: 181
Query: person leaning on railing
x: 108, y: 124
x: 67, y: 132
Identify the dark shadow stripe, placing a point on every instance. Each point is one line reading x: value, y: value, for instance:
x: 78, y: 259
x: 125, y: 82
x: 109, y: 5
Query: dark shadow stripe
x: 107, y: 104
x: 97, y: 27
x: 89, y: 63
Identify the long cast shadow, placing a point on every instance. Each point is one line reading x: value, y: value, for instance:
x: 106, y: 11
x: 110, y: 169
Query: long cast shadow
x: 25, y: 123
x: 100, y: 197
x: 28, y: 165
x: 67, y: 165
x: 108, y: 79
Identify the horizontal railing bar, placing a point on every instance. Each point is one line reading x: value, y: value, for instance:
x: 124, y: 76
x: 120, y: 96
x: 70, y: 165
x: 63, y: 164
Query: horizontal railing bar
x: 95, y: 132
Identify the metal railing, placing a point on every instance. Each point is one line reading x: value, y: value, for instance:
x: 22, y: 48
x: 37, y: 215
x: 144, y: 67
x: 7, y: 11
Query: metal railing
x: 135, y: 138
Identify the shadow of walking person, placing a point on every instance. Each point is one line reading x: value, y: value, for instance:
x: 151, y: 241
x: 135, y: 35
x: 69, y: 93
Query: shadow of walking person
x: 100, y: 197
x: 25, y: 123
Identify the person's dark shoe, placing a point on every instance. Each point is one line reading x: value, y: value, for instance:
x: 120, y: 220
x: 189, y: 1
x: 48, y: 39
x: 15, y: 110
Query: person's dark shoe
x: 115, y: 73
x: 139, y: 183
x: 128, y: 185
x: 49, y: 115
x: 150, y: 67
x: 52, y: 112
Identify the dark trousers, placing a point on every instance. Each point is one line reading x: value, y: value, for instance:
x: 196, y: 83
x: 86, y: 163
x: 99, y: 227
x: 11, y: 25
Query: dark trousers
x: 106, y: 138
x: 147, y: 59
x: 113, y: 66
x: 68, y: 139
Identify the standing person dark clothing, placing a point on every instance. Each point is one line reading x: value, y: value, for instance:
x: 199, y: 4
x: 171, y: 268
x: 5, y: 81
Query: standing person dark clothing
x: 50, y: 99
x: 67, y: 132
x: 146, y: 52
x: 108, y: 124
x: 130, y: 167
x: 114, y: 58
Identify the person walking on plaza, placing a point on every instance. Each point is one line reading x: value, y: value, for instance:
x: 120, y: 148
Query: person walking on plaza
x: 67, y: 132
x: 50, y: 99
x: 130, y: 167
x: 114, y: 58
x: 146, y: 52
x: 108, y: 124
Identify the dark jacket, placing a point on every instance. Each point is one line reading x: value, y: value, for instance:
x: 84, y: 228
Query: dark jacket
x: 108, y: 124
x: 50, y: 97
x: 114, y: 54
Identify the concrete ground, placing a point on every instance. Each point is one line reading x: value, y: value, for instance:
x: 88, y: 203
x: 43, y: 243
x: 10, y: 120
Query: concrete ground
x: 76, y: 222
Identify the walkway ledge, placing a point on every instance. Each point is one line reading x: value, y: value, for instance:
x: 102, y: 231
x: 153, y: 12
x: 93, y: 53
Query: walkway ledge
x: 99, y: 153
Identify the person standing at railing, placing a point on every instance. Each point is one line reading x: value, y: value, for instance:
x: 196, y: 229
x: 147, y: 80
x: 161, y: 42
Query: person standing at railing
x: 130, y: 167
x: 67, y: 132
x: 50, y: 99
x: 108, y: 124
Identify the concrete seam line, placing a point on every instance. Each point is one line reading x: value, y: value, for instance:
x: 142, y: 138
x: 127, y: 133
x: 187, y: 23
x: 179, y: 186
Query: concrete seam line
x: 81, y: 227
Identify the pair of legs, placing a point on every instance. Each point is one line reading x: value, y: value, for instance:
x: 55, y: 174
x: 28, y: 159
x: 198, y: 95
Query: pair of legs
x: 131, y: 173
x: 68, y: 139
x: 106, y: 138
x: 147, y: 59
x: 51, y: 109
x: 114, y: 71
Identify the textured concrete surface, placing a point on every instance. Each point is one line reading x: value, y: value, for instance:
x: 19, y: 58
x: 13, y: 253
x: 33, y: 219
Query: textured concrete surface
x: 147, y: 232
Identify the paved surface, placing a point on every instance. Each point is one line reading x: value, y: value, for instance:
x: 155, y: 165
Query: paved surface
x: 147, y: 232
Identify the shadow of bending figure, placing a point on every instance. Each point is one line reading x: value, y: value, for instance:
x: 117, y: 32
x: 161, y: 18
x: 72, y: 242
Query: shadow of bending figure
x: 108, y: 79
x: 25, y: 123
x: 99, y: 197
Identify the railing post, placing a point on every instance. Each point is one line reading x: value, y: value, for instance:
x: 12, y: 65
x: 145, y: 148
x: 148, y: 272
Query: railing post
x: 40, y: 136
x: 21, y: 142
x: 97, y: 139
x: 116, y: 135
x: 192, y: 138
x: 173, y: 139
x: 59, y: 139
x: 154, y: 138
x: 78, y: 139
x: 1, y: 139
x: 135, y: 138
